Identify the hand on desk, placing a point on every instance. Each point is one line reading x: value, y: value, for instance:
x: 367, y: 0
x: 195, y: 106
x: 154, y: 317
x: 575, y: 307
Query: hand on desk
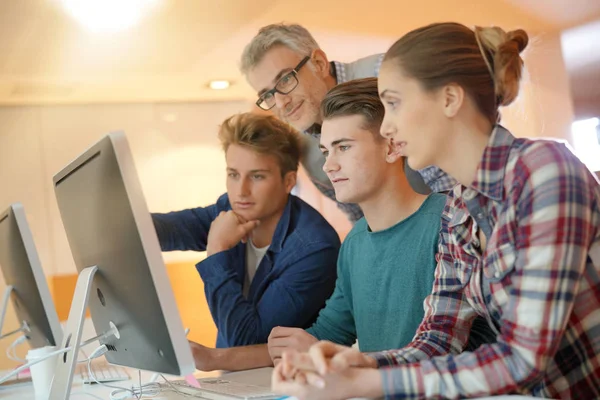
x: 282, y: 339
x: 204, y: 357
x: 327, y: 371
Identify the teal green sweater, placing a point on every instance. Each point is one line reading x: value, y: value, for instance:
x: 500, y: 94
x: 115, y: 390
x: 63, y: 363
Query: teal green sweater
x: 383, y: 278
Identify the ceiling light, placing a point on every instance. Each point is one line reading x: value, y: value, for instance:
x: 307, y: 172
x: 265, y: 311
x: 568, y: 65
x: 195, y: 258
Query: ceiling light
x: 108, y: 16
x: 219, y: 84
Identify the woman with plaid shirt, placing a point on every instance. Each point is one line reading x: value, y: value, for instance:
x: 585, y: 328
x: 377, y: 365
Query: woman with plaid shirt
x: 519, y: 241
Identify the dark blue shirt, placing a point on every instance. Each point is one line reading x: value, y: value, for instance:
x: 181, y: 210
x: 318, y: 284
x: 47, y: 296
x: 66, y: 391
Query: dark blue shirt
x: 292, y: 282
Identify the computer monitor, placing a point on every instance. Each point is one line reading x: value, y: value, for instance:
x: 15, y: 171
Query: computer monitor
x: 110, y: 230
x: 26, y: 284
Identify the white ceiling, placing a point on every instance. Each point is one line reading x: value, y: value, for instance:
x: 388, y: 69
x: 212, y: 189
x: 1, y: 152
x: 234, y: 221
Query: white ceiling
x: 561, y: 13
x: 48, y: 58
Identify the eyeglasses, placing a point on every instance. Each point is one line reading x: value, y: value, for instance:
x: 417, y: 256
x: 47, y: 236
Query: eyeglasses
x: 284, y: 85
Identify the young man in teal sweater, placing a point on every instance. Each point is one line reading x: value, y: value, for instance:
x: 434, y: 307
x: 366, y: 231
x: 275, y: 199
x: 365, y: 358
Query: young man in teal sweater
x: 386, y: 263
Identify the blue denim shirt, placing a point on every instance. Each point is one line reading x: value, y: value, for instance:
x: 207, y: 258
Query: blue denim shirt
x: 292, y: 282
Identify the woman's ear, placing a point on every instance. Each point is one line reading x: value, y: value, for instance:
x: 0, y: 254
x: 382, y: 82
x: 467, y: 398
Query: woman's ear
x: 453, y: 97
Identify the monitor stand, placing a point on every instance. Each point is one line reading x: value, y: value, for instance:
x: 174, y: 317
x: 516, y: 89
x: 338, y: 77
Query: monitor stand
x: 4, y: 307
x: 60, y: 389
x: 5, y: 298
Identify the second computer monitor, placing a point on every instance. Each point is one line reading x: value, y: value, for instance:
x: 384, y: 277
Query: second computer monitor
x: 21, y: 267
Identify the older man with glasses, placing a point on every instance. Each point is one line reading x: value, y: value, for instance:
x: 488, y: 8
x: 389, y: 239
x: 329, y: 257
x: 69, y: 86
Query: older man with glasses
x: 292, y: 75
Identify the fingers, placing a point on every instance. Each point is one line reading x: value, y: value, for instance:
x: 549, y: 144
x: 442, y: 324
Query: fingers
x: 313, y: 379
x: 322, y: 352
x: 282, y: 331
x: 323, y: 357
x: 278, y: 342
x: 240, y: 219
x: 301, y: 361
x: 248, y: 227
x: 288, y: 368
x: 317, y: 359
x: 300, y: 378
x: 351, y: 358
x: 294, y: 382
x: 281, y: 385
x: 295, y: 338
x: 275, y: 352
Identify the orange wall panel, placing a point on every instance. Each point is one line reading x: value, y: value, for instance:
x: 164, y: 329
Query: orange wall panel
x: 189, y: 296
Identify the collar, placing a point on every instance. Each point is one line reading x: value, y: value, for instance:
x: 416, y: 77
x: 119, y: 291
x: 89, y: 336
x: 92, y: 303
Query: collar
x: 282, y: 227
x: 489, y: 180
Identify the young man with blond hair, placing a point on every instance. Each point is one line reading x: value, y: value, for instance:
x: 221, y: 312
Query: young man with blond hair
x: 271, y: 258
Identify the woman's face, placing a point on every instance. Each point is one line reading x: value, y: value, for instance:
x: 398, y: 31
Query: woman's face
x: 414, y: 118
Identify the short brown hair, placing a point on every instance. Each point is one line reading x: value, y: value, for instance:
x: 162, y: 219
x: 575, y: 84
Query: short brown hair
x: 264, y: 134
x: 485, y: 62
x: 357, y: 97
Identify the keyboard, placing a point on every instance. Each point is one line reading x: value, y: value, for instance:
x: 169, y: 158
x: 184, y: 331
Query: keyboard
x: 223, y: 389
x: 103, y: 372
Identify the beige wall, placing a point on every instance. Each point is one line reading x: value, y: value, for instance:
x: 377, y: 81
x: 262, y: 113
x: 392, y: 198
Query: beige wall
x: 544, y: 107
x: 587, y: 108
x: 174, y: 146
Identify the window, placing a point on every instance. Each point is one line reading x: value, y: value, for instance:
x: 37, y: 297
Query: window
x: 586, y: 140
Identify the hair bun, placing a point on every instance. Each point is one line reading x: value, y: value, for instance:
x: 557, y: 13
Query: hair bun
x: 505, y: 62
x: 519, y: 37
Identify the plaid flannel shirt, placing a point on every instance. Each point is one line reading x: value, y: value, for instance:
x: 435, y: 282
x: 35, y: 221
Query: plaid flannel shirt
x: 537, y: 282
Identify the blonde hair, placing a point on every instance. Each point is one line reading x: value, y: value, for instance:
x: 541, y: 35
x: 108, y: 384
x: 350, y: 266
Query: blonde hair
x: 485, y: 62
x: 263, y: 134
x: 293, y: 36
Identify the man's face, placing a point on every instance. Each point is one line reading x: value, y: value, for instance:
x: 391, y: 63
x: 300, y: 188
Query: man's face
x: 255, y: 186
x: 356, y: 159
x: 301, y: 107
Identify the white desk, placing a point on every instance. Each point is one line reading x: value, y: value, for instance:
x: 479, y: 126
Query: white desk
x: 260, y: 377
x: 25, y: 391
x: 79, y: 391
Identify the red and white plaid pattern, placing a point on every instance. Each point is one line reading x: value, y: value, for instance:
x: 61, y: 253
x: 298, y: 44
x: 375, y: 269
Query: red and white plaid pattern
x: 537, y: 282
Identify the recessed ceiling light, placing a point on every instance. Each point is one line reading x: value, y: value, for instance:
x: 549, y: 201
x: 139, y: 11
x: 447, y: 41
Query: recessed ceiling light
x: 219, y: 84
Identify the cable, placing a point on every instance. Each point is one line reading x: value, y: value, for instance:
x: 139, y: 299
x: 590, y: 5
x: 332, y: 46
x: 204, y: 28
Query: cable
x: 21, y: 329
x: 32, y: 363
x: 11, y: 350
x: 156, y: 375
x: 121, y: 393
x: 22, y: 368
x: 87, y: 394
x: 173, y: 388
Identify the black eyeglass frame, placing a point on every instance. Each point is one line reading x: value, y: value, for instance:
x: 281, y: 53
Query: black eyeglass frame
x: 293, y: 73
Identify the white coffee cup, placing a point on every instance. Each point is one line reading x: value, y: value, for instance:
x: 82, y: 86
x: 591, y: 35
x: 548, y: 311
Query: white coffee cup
x: 42, y: 372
